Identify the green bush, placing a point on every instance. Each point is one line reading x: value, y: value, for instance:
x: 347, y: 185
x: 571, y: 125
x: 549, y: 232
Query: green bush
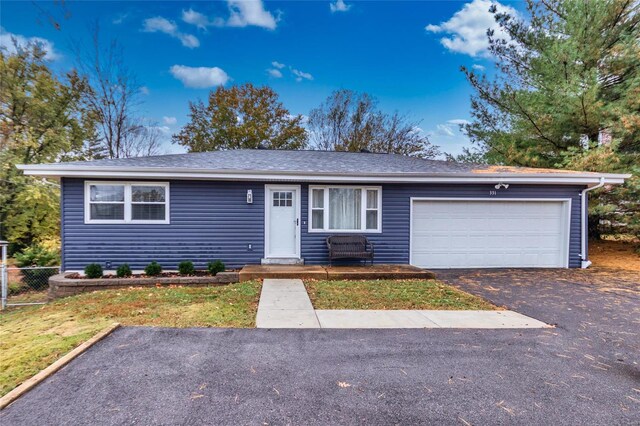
x: 37, y: 256
x: 93, y: 270
x: 186, y: 268
x: 215, y: 267
x: 36, y: 279
x: 123, y: 271
x: 153, y: 269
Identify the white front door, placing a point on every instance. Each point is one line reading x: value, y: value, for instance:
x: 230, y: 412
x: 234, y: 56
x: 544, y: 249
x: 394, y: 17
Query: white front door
x: 282, y: 221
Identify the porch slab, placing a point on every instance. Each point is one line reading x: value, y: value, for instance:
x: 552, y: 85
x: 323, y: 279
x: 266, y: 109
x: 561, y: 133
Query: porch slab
x: 320, y: 272
x: 254, y: 272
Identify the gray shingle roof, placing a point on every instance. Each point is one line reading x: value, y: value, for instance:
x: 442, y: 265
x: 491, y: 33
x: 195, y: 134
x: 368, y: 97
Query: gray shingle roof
x: 306, y: 166
x: 264, y: 160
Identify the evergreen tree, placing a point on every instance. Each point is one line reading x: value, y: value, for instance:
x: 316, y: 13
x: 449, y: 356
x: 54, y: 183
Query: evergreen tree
x: 566, y: 95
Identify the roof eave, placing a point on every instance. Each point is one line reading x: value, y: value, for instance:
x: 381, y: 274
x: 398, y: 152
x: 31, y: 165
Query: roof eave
x: 58, y: 171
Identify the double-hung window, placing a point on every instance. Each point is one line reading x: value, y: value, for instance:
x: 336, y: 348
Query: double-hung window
x: 345, y: 209
x: 126, y: 202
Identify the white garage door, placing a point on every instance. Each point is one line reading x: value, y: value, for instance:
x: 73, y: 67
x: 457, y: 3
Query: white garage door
x: 489, y: 234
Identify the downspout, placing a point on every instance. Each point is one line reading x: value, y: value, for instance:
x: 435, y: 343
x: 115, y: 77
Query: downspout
x: 583, y: 238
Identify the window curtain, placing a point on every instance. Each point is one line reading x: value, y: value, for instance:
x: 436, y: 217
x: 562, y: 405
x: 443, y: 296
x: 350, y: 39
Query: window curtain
x: 345, y: 208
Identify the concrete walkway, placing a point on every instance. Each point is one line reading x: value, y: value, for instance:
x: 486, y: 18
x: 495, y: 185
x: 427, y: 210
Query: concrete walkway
x: 284, y: 303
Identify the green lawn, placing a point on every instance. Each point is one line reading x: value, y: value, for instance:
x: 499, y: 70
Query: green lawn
x: 392, y: 294
x: 31, y: 337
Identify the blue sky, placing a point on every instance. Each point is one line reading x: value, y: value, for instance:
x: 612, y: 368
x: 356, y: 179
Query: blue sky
x: 407, y: 54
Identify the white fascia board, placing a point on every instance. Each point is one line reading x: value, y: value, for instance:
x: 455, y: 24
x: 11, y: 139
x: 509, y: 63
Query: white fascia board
x: 57, y: 171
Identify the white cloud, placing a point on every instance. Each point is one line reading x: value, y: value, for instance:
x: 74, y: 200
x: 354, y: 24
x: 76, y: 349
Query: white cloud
x: 163, y: 25
x: 478, y: 67
x: 458, y: 121
x: 242, y: 13
x: 169, y: 120
x: 277, y: 64
x: 200, y: 20
x: 199, y: 77
x: 144, y: 90
x: 466, y: 30
x: 7, y: 44
x: 339, y: 6
x: 275, y: 73
x: 245, y: 13
x: 301, y: 75
x: 444, y: 130
x: 120, y: 18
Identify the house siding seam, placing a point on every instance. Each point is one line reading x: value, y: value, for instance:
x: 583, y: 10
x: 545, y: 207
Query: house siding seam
x: 212, y: 220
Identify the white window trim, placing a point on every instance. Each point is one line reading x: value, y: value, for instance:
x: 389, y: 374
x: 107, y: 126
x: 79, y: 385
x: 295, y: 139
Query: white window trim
x: 363, y: 212
x: 127, y: 203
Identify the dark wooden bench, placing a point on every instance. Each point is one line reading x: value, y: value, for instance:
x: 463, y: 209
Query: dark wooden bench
x: 349, y: 247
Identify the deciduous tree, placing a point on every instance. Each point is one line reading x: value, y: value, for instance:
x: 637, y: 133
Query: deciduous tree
x: 112, y: 95
x: 40, y: 122
x: 243, y: 116
x: 351, y: 121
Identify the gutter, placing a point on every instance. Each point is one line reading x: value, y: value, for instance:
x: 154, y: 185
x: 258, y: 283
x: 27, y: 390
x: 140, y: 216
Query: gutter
x: 56, y: 171
x: 583, y: 239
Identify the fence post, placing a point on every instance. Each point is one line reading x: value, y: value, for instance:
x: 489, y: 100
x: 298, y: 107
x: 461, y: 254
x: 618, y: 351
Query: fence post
x: 3, y: 274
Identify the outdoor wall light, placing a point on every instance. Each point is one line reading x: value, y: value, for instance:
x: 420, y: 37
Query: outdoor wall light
x: 502, y: 185
x: 249, y: 196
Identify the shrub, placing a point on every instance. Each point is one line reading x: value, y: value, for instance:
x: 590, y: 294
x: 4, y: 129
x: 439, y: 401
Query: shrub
x: 215, y: 267
x: 37, y: 255
x: 153, y: 269
x: 93, y: 270
x: 123, y: 271
x: 186, y: 268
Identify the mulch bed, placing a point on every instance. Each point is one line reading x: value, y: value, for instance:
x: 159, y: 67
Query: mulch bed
x: 78, y: 276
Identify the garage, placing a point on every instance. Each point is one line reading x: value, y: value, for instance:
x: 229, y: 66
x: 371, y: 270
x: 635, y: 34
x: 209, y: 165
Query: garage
x: 496, y: 233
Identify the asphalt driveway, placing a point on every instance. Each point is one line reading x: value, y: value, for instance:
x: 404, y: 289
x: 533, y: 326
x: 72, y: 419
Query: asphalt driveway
x: 585, y: 371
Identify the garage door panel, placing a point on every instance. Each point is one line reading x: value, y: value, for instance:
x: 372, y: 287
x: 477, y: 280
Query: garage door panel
x: 467, y: 234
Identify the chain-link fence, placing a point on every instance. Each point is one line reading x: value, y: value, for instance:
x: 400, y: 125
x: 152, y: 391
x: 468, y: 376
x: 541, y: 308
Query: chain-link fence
x: 28, y: 285
x: 23, y: 286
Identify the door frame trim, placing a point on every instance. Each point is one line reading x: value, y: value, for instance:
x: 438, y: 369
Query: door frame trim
x: 267, y: 217
x: 566, y: 202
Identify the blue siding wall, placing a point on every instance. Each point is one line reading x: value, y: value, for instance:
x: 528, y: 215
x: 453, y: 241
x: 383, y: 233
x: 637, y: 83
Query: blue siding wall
x: 211, y: 220
x: 392, y: 245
